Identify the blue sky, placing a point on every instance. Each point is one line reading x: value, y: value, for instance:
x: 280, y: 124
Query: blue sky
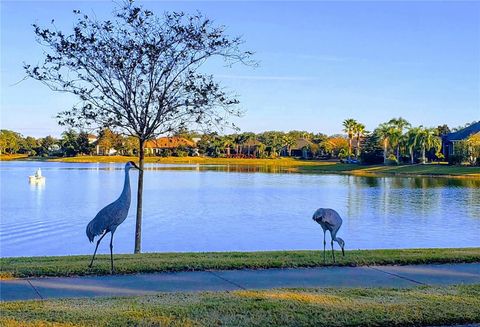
x: 320, y: 62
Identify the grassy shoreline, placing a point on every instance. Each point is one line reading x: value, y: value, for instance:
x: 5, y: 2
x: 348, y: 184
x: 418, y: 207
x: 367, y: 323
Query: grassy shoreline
x: 419, y: 306
x: 287, y: 165
x: 166, y: 262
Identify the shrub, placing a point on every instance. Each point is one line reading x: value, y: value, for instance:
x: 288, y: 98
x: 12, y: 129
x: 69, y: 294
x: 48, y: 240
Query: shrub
x: 371, y: 158
x: 391, y: 160
x: 455, y: 159
x: 165, y: 153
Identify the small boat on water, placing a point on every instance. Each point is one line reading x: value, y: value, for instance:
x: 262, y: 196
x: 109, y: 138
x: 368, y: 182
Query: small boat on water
x: 37, y: 178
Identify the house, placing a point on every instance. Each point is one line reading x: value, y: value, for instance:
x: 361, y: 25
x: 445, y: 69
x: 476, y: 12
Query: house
x: 249, y: 148
x: 449, y: 140
x: 302, y: 148
x: 100, y: 150
x: 155, y: 147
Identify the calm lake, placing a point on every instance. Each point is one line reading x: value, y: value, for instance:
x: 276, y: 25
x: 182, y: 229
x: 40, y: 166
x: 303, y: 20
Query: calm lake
x: 219, y: 208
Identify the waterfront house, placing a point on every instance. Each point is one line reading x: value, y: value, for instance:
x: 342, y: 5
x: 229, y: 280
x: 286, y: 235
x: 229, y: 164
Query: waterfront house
x: 155, y: 147
x: 449, y: 140
x: 302, y: 148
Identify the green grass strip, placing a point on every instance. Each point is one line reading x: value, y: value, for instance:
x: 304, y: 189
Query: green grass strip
x: 163, y: 262
x: 420, y: 306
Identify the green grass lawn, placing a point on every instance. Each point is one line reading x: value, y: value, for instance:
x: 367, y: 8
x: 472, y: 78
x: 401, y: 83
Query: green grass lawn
x: 421, y: 306
x: 160, y: 262
x: 8, y: 157
x: 428, y: 169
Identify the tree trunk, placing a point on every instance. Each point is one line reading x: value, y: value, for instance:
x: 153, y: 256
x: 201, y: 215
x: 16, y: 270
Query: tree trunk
x: 138, y: 224
x: 411, y: 156
x: 423, y: 155
x: 385, y: 152
x: 358, y: 147
x: 398, y: 153
x: 349, y: 148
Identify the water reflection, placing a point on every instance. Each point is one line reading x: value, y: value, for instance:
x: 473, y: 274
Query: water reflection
x: 37, y: 189
x: 232, y: 207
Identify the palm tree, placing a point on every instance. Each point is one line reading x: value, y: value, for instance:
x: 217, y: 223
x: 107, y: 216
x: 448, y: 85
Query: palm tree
x: 359, y: 131
x: 395, y: 140
x: 227, y: 142
x: 412, y: 141
x: 384, y: 132
x: 246, y: 138
x: 400, y: 124
x: 427, y: 139
x: 288, y: 142
x: 239, y: 139
x: 349, y: 128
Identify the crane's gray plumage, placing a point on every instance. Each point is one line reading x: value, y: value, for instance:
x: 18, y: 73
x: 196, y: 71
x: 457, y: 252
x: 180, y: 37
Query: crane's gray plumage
x: 330, y: 220
x: 110, y: 217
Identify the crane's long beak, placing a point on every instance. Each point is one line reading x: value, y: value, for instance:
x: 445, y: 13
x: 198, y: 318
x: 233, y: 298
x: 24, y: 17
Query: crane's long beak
x: 135, y: 165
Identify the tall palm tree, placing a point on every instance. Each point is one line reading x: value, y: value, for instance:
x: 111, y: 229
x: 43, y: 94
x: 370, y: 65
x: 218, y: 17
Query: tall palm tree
x: 288, y: 142
x: 349, y: 128
x: 248, y: 136
x: 412, y: 141
x: 359, y: 131
x: 227, y: 142
x: 400, y: 124
x: 384, y: 132
x: 239, y: 139
x: 433, y: 141
x: 427, y: 139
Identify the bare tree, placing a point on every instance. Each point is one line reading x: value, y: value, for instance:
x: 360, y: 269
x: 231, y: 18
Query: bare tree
x: 140, y: 74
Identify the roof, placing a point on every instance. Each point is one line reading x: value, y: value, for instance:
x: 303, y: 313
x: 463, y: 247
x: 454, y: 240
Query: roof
x: 169, y: 143
x: 301, y: 143
x: 463, y: 133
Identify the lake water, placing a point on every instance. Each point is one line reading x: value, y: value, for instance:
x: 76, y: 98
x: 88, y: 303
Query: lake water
x: 217, y: 208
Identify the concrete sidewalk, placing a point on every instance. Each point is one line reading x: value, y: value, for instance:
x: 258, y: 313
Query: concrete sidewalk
x: 223, y: 280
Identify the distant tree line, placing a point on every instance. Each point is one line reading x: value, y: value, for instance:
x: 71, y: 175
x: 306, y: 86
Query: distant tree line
x: 71, y: 143
x: 391, y: 143
x: 397, y: 141
x: 271, y: 144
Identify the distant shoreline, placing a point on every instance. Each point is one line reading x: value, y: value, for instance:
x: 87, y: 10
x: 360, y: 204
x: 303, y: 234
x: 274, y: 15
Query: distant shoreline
x: 287, y: 164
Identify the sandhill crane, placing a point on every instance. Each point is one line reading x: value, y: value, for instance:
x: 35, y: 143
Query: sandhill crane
x: 110, y: 217
x: 330, y: 220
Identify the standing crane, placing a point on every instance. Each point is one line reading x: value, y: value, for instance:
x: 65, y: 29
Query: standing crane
x: 330, y: 220
x: 110, y: 217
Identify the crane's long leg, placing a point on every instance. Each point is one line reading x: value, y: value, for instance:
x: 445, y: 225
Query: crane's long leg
x: 96, y: 248
x: 333, y: 253
x: 324, y: 245
x: 111, y: 253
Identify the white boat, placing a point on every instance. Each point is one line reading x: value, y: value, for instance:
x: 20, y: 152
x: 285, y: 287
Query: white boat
x: 37, y: 178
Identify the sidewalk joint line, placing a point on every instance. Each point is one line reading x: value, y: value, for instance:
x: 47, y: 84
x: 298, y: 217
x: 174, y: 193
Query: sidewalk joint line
x: 399, y: 276
x: 228, y: 281
x: 35, y: 289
